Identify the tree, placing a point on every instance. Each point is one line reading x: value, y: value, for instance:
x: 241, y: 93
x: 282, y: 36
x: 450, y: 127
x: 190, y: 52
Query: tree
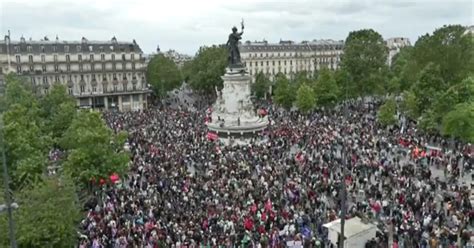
x: 305, y: 100
x: 284, y: 94
x: 207, y: 67
x: 448, y: 49
x: 410, y: 105
x: 163, y: 74
x: 402, y: 73
x: 364, y: 59
x: 260, y: 87
x: 58, y: 110
x: 387, y: 113
x: 428, y: 86
x: 459, y: 122
x: 326, y: 88
x: 94, y: 152
x: 47, y: 216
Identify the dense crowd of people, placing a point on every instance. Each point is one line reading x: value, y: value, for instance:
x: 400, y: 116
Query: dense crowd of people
x: 184, y: 190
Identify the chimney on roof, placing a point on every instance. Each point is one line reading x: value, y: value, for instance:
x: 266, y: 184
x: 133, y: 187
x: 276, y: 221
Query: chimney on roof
x: 46, y: 38
x: 22, y: 39
x: 57, y: 38
x: 84, y: 40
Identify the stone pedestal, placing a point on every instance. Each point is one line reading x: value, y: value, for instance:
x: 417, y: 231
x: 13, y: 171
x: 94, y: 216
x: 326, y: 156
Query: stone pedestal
x: 233, y: 113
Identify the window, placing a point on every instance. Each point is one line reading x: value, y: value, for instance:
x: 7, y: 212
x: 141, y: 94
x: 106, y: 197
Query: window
x: 43, y: 58
x: 124, y: 87
x: 92, y: 67
x: 18, y: 60
x: 81, y: 67
x: 54, y: 48
x: 132, y: 56
x: 32, y: 68
x: 115, y: 87
x: 124, y: 66
x: 261, y: 63
x: 78, y: 48
x: 94, y: 89
x: 114, y: 76
x: 56, y: 79
x: 42, y: 49
x: 261, y: 55
x: 284, y: 62
x: 113, y: 57
x: 45, y: 80
x: 250, y: 63
x: 268, y: 62
x: 68, y: 58
x: 273, y: 62
x: 30, y: 58
x: 68, y: 67
x: 56, y: 68
x: 79, y: 57
x: 44, y: 68
x: 114, y: 66
x: 103, y: 67
x: 29, y: 48
x: 279, y: 62
x: 104, y: 87
x: 291, y: 62
x: 70, y: 90
x: 90, y: 49
x: 123, y: 57
x: 18, y: 69
x: 133, y: 66
x: 93, y: 77
x: 66, y: 49
x: 92, y: 57
x: 55, y: 58
x: 102, y: 57
x: 82, y: 88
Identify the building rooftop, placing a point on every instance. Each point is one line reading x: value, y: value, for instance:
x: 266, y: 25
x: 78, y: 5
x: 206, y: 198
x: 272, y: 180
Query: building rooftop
x: 46, y: 45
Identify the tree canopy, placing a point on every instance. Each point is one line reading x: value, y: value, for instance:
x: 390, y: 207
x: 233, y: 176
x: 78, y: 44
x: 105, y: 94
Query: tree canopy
x: 387, y: 113
x: 163, y: 74
x: 326, y: 88
x: 305, y: 99
x: 47, y: 215
x: 284, y: 92
x: 93, y: 150
x: 205, y: 70
x: 260, y: 87
x: 364, y: 59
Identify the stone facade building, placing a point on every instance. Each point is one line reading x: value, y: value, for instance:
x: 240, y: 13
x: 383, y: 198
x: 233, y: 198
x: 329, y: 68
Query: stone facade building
x: 289, y: 57
x: 394, y: 45
x: 99, y: 74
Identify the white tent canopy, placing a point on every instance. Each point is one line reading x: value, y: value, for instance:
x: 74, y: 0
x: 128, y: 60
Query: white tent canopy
x: 356, y: 232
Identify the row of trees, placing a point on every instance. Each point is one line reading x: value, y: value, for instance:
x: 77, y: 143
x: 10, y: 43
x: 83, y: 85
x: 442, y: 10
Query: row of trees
x: 33, y: 126
x: 435, y: 79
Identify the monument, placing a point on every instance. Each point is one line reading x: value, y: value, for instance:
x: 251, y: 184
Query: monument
x: 233, y: 114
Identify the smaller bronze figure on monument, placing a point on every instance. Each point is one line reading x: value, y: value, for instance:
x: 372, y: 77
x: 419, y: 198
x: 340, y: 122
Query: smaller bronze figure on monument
x: 233, y: 47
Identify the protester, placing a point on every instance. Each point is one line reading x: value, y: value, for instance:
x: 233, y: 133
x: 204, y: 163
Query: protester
x: 184, y: 190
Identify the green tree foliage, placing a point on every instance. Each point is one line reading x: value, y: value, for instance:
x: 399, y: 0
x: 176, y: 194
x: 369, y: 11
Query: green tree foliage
x: 428, y: 87
x: 47, y: 215
x: 58, y: 110
x: 205, y: 70
x: 410, y: 105
x: 305, y: 99
x: 326, y: 88
x: 364, y: 59
x: 387, y: 113
x: 93, y: 150
x: 260, y: 87
x: 163, y: 74
x: 459, y: 122
x: 447, y: 48
x: 402, y: 73
x: 284, y: 92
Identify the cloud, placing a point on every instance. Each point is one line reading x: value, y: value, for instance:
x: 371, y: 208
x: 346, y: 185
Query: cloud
x: 184, y: 25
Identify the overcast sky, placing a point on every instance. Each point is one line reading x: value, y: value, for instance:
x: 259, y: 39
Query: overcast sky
x: 185, y: 25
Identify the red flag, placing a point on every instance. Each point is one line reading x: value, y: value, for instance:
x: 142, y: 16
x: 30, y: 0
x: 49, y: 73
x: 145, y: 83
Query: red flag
x: 114, y: 178
x: 268, y: 205
x: 212, y: 136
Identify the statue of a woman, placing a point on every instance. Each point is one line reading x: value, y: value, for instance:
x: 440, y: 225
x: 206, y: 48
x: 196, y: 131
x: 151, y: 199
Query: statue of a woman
x: 233, y: 47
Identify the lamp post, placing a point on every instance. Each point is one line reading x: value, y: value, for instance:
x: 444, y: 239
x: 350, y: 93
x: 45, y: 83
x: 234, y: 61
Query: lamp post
x: 8, y: 199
